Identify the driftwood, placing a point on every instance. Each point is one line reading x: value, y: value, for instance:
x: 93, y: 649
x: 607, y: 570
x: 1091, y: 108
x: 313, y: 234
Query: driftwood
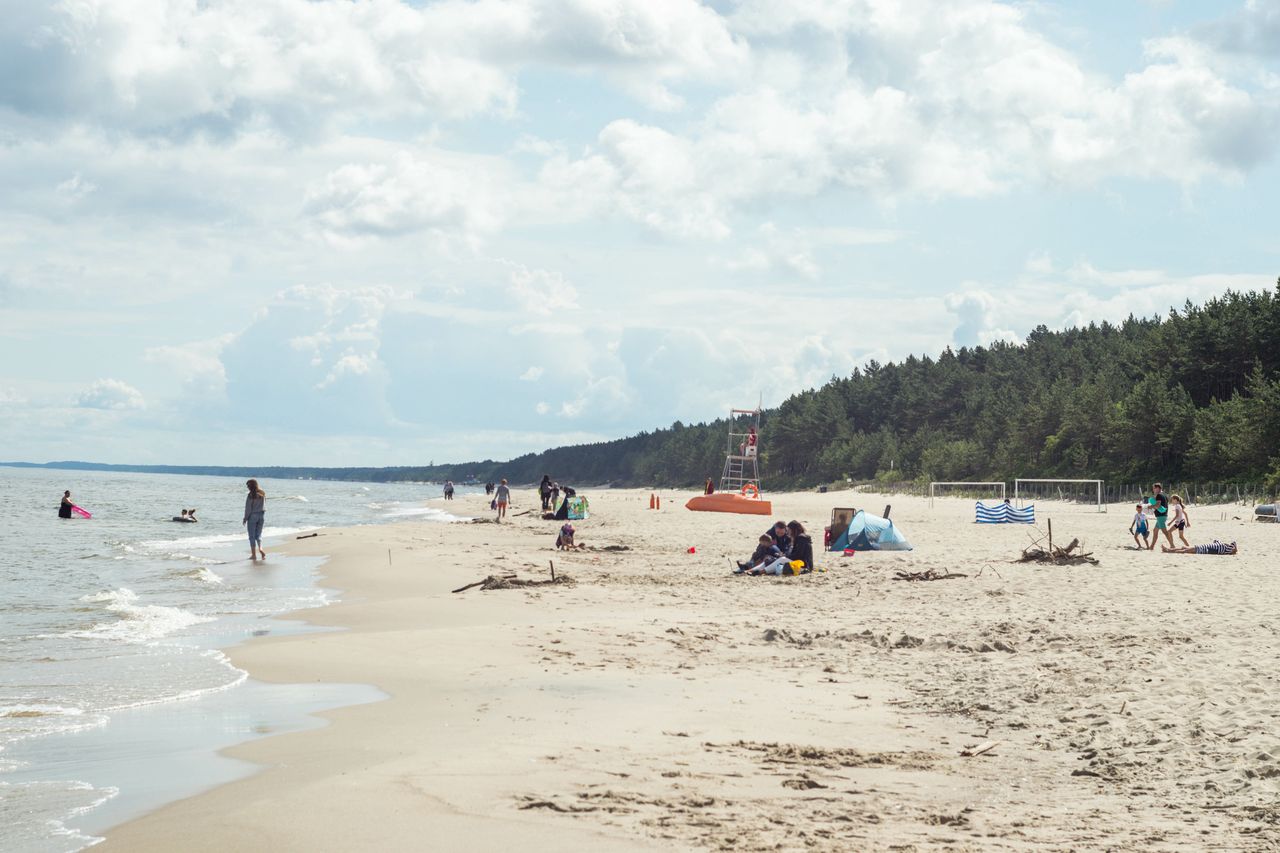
x: 1057, y: 556
x: 929, y: 575
x: 512, y: 582
x: 479, y: 582
x: 980, y: 749
x: 307, y: 536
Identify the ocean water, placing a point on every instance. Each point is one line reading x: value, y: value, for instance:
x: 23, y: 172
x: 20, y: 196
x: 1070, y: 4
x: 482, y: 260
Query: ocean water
x: 111, y: 632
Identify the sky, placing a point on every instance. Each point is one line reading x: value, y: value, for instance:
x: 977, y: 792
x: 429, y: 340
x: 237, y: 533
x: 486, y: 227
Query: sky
x: 380, y: 232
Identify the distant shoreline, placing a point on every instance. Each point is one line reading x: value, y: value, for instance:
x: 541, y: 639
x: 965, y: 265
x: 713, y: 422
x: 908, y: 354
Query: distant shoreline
x: 358, y: 474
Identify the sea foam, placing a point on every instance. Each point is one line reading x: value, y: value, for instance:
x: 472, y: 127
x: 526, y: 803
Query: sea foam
x: 137, y: 623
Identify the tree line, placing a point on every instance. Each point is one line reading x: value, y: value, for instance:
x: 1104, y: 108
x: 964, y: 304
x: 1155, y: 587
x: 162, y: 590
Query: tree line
x: 1194, y: 395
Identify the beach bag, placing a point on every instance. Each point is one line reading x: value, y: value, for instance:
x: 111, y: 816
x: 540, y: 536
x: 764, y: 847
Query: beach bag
x: 493, y: 504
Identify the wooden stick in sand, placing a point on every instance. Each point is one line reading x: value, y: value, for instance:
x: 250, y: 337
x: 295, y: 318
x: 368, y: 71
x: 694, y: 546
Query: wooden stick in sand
x: 980, y: 749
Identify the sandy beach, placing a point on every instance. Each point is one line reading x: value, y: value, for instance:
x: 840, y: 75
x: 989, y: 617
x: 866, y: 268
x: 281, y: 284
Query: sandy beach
x: 658, y: 702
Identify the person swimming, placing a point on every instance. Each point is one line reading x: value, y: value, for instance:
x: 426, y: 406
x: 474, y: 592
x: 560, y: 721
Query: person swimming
x: 188, y: 515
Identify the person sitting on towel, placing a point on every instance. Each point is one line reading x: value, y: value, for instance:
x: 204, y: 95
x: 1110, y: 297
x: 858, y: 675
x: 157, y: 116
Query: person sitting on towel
x: 1215, y: 547
x: 766, y: 552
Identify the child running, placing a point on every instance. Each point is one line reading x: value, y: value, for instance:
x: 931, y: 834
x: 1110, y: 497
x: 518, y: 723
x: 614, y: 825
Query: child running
x: 1181, y: 521
x: 1138, y: 527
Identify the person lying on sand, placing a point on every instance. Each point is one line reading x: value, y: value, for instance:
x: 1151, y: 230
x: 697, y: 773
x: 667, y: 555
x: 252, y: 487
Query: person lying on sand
x: 766, y: 552
x: 1214, y: 547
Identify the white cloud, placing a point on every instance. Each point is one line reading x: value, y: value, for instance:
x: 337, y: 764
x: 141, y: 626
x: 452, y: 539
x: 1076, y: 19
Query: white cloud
x: 541, y: 292
x: 176, y: 67
x: 1254, y: 29
x: 198, y: 364
x: 76, y: 187
x: 311, y: 360
x: 410, y: 194
x: 110, y: 394
x: 533, y: 374
x: 977, y: 311
x: 921, y: 100
x: 10, y: 397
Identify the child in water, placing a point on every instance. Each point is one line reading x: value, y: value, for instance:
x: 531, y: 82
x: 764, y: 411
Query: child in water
x: 1139, y: 527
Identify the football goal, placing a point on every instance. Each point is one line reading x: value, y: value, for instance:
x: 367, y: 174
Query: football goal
x: 1079, y: 491
x: 976, y: 486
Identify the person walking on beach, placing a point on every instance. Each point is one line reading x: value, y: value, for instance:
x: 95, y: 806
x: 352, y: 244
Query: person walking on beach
x: 255, y: 509
x: 502, y: 497
x: 1162, y: 517
x: 544, y: 491
x: 1181, y: 521
x: 1138, y: 527
x: 448, y: 490
x: 64, y: 508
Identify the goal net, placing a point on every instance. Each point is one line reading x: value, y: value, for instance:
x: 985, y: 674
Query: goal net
x: 965, y: 489
x: 1086, y: 492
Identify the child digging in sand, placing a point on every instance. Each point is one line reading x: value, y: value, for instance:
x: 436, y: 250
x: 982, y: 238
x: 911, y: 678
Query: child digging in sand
x: 1138, y: 527
x: 564, y: 539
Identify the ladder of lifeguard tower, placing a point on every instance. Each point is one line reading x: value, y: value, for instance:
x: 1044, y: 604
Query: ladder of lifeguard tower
x: 741, y: 466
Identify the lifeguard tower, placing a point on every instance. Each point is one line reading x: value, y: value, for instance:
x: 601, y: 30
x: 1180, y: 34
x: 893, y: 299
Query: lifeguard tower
x: 742, y: 459
x: 740, y: 479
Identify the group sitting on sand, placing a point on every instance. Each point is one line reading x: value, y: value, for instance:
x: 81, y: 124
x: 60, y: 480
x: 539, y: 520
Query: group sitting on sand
x: 784, y: 549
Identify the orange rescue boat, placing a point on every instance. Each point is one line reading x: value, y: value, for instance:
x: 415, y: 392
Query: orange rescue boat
x: 731, y: 502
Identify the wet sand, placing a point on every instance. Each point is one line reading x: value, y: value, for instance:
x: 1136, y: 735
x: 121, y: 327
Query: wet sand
x: 658, y: 701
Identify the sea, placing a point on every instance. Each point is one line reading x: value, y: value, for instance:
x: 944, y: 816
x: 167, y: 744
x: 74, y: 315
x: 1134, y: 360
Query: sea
x: 115, y: 690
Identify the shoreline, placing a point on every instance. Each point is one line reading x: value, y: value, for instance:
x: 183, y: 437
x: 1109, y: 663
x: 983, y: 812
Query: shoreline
x: 660, y: 700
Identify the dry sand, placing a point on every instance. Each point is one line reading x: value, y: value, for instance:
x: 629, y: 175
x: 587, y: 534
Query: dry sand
x: 660, y: 702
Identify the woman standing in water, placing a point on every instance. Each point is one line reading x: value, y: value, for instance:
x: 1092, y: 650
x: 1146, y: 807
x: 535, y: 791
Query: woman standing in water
x: 255, y: 508
x: 64, y: 509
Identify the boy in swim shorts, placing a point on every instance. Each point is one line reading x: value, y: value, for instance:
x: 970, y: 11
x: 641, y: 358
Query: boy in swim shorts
x: 1138, y: 527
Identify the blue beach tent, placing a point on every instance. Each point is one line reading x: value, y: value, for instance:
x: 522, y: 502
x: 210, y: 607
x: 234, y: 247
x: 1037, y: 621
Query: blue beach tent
x: 870, y: 533
x: 1003, y: 513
